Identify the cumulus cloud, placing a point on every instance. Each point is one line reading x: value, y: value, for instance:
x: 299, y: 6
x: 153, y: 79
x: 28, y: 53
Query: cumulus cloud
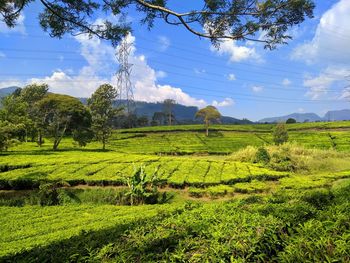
x: 319, y: 85
x: 101, y: 68
x: 286, y: 82
x: 231, y: 77
x: 164, y: 43
x: 345, y: 93
x: 161, y: 74
x: 257, y: 88
x: 11, y: 82
x: 19, y: 28
x: 225, y: 103
x: 236, y: 52
x: 331, y: 40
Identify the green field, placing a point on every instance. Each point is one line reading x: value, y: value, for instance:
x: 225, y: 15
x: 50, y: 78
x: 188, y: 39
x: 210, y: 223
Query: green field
x: 221, y: 206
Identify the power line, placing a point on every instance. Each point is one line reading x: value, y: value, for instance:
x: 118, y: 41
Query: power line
x: 293, y: 88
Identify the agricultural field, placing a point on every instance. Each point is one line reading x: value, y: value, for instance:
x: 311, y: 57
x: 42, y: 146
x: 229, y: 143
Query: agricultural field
x: 218, y: 200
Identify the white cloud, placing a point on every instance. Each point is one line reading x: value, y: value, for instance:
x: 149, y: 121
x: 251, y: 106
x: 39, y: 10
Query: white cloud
x: 19, y: 28
x: 10, y: 83
x: 301, y: 110
x: 286, y: 82
x: 225, y: 103
x: 331, y: 40
x: 231, y: 77
x: 101, y: 60
x: 164, y: 43
x: 235, y: 52
x: 257, y: 88
x: 2, y: 55
x: 345, y: 93
x: 161, y: 74
x: 320, y: 85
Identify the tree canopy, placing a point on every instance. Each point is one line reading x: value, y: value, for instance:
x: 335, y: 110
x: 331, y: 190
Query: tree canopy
x: 265, y: 21
x: 208, y: 114
x: 101, y: 106
x: 61, y: 113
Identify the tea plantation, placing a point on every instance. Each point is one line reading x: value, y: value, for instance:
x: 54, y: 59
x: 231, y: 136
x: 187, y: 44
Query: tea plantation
x: 220, y: 198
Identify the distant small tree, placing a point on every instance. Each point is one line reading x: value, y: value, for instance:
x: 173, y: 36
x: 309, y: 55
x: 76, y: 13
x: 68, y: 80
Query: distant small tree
x: 291, y: 120
x: 101, y: 106
x: 208, y: 114
x: 142, y: 121
x: 158, y: 118
x: 168, y: 109
x: 280, y: 134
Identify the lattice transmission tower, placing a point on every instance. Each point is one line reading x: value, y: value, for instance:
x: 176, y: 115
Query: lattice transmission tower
x: 125, y: 88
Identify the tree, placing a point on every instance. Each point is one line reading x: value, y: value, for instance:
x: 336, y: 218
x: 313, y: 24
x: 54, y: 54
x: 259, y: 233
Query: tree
x: 291, y: 120
x: 101, y: 106
x: 62, y: 113
x: 280, y: 134
x: 142, y: 121
x: 168, y: 109
x: 31, y: 94
x: 208, y: 114
x: 14, y: 112
x: 158, y: 118
x: 213, y: 19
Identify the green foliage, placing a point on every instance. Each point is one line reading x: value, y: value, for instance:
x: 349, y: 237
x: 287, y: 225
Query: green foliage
x: 208, y: 114
x: 262, y: 156
x: 319, y: 198
x: 101, y: 106
x: 83, y: 136
x: 143, y: 188
x: 62, y: 17
x: 49, y: 193
x: 61, y: 113
x: 280, y: 134
x: 291, y: 120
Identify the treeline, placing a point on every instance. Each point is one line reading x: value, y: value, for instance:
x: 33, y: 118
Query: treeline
x: 32, y: 113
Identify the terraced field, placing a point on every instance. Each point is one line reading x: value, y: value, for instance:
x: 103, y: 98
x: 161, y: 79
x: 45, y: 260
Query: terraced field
x: 196, y: 223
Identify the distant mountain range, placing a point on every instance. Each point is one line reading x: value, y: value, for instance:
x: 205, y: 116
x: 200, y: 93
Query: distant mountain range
x: 6, y: 91
x: 183, y: 114
x: 336, y: 115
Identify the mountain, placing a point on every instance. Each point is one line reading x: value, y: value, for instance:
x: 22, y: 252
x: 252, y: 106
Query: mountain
x: 7, y: 91
x: 299, y: 117
x: 337, y: 115
x: 183, y: 114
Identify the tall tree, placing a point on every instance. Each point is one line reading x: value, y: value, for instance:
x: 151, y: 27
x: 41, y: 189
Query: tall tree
x: 14, y: 112
x: 208, y: 114
x: 168, y: 109
x: 101, y: 106
x: 213, y: 19
x: 31, y: 94
x: 62, y: 113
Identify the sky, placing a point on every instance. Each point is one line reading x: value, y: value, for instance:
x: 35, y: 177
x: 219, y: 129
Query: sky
x: 242, y: 79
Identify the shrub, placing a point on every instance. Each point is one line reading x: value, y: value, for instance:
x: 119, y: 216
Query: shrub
x: 49, y: 193
x: 262, y: 156
x: 291, y: 120
x: 319, y: 198
x: 280, y: 134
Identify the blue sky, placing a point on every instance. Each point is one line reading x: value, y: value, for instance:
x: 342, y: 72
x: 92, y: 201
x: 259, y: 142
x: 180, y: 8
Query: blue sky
x: 242, y: 79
